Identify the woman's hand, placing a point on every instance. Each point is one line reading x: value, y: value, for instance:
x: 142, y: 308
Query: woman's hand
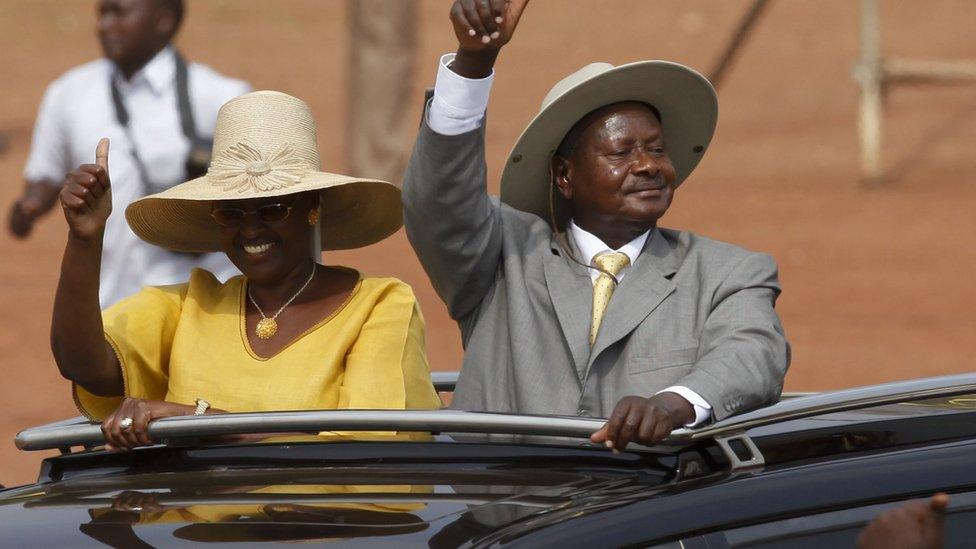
x: 131, y: 501
x: 482, y: 27
x: 119, y: 438
x: 86, y: 197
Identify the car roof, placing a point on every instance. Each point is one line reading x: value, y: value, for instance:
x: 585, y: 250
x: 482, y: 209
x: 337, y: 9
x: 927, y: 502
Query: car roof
x: 512, y: 466
x: 928, y: 397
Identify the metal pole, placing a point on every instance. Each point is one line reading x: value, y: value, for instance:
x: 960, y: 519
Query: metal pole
x: 742, y: 31
x: 870, y: 75
x: 922, y: 71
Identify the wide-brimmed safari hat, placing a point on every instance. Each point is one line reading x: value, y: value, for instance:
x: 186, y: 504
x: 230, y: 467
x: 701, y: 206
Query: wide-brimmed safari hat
x: 264, y: 146
x: 685, y: 99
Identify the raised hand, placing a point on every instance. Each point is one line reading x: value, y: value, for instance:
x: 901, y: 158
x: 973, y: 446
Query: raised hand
x: 485, y: 24
x: 86, y: 196
x: 482, y: 27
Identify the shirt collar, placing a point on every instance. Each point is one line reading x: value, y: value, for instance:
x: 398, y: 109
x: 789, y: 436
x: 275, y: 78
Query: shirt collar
x: 591, y: 246
x: 159, y: 73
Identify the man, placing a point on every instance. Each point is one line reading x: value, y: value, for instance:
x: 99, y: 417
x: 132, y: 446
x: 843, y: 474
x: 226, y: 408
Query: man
x: 688, y: 335
x: 152, y: 106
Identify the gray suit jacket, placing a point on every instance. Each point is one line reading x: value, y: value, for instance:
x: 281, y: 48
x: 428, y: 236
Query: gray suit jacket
x: 691, y: 311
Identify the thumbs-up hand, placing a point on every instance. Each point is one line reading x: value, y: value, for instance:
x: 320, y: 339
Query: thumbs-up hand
x: 86, y: 196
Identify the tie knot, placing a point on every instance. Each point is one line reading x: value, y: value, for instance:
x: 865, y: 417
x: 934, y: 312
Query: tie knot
x: 612, y: 262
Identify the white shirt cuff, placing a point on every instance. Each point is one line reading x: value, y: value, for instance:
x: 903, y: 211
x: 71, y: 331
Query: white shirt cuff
x: 459, y: 103
x: 703, y: 410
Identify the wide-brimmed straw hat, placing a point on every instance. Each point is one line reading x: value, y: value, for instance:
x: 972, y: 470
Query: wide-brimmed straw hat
x: 264, y: 146
x: 685, y: 99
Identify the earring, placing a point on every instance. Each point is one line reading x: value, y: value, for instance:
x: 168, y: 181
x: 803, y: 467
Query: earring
x: 313, y: 217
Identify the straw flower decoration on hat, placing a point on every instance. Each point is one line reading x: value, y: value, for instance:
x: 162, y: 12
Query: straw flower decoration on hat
x: 684, y: 98
x: 242, y: 166
x: 264, y: 146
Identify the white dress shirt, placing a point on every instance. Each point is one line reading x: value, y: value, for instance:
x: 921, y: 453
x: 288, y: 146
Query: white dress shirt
x: 459, y: 103
x: 77, y: 110
x: 459, y: 106
x: 591, y: 246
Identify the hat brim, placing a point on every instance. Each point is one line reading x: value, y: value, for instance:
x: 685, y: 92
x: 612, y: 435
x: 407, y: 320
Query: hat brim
x: 354, y: 212
x: 685, y: 99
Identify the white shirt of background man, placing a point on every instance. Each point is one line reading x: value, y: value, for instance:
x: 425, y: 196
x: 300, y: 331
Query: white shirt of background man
x: 77, y: 110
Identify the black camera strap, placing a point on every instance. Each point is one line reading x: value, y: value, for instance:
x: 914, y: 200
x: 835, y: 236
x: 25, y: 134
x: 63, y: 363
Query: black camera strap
x: 183, y: 106
x: 183, y: 99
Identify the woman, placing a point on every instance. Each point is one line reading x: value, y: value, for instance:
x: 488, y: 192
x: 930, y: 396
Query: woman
x: 289, y: 334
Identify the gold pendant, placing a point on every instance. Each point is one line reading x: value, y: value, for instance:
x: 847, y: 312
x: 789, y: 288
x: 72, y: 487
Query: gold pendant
x: 266, y: 328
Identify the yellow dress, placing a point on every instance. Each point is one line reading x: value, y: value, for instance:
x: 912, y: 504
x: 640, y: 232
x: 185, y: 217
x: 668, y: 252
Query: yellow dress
x: 188, y: 341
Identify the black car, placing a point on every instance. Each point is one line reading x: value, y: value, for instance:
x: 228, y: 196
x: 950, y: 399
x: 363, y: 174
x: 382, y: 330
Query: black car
x: 810, y: 471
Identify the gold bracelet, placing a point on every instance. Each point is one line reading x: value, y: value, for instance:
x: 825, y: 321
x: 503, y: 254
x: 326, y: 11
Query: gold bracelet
x: 202, y: 406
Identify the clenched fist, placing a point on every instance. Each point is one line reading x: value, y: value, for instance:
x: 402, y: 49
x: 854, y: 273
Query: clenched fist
x: 485, y: 24
x: 482, y: 27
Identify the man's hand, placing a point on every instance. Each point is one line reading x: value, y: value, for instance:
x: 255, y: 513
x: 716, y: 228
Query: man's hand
x: 86, y: 196
x: 914, y: 525
x: 482, y: 27
x: 38, y: 198
x: 485, y: 24
x: 644, y: 420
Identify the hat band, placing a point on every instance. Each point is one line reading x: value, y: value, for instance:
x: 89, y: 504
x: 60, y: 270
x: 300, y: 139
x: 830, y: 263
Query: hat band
x: 242, y: 168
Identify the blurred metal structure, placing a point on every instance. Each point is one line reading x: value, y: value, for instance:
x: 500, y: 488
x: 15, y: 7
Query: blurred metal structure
x: 742, y: 30
x: 876, y: 75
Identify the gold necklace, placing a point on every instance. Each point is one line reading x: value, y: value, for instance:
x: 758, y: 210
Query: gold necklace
x: 267, y: 327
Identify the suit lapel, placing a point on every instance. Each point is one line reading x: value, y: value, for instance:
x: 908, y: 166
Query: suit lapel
x: 643, y: 288
x: 571, y: 293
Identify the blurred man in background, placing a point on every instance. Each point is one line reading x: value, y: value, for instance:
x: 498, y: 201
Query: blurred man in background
x: 154, y: 106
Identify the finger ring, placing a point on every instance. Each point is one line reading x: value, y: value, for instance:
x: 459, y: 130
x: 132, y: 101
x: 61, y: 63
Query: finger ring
x: 125, y: 423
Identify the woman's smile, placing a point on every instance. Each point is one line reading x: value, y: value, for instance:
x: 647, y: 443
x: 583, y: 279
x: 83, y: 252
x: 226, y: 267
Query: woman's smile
x: 254, y: 249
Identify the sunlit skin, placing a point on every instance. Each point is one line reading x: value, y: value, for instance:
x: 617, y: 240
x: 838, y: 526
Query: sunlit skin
x: 619, y: 177
x: 287, y: 259
x: 132, y: 32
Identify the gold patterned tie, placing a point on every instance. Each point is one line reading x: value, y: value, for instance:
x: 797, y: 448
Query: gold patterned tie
x: 603, y: 288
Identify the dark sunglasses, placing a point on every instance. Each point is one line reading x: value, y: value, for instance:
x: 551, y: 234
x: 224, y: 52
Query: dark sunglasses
x: 233, y: 217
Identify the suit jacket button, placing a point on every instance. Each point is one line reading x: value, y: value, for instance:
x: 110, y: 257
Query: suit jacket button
x: 583, y: 412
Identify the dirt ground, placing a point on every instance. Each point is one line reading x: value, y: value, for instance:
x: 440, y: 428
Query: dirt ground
x: 876, y: 281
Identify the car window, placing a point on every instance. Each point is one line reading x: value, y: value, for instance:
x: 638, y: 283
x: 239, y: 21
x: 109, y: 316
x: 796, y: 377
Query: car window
x: 833, y: 529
